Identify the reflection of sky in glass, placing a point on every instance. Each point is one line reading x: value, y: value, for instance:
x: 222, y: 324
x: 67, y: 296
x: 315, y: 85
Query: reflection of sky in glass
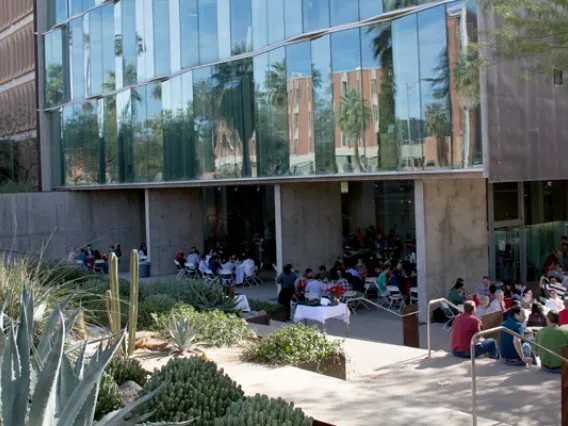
x: 316, y: 15
x: 224, y: 28
x: 343, y: 11
x: 76, y: 49
x: 149, y: 37
x: 298, y: 60
x: 207, y: 31
x: 241, y: 28
x: 368, y: 36
x: 368, y: 8
x: 162, y: 37
x: 405, y: 65
x: 108, y: 63
x: 175, y: 49
x: 260, y: 24
x: 345, y: 51
x: 293, y: 17
x: 275, y: 21
x: 432, y: 39
x: 189, y: 34
x: 119, y: 81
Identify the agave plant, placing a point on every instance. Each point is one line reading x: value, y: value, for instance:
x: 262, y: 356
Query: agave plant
x: 207, y: 297
x: 183, y: 334
x: 40, y: 385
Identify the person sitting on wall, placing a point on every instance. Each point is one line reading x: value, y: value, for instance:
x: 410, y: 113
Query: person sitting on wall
x: 483, y: 307
x: 513, y: 350
x: 537, y: 318
x: 527, y: 300
x: 553, y: 338
x: 457, y: 293
x: 498, y: 303
x: 554, y: 303
x: 464, y: 327
x: 483, y: 288
x: 180, y: 258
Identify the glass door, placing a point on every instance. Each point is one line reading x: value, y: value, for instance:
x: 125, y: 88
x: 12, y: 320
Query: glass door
x: 508, y: 250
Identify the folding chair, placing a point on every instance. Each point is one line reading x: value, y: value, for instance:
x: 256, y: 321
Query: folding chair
x: 191, y: 271
x: 413, y: 295
x: 209, y: 277
x: 99, y: 267
x: 251, y: 278
x: 181, y: 271
x: 395, y: 297
x: 449, y: 315
x: 312, y: 296
x: 352, y: 299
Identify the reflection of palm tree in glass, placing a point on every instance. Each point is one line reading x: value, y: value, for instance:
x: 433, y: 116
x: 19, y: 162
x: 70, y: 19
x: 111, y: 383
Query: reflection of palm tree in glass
x: 54, y: 84
x: 436, y: 125
x: 353, y: 118
x: 441, y: 80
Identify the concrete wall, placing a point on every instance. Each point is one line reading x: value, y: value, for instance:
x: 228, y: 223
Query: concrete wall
x: 308, y: 224
x: 175, y: 218
x: 452, y: 238
x: 60, y: 221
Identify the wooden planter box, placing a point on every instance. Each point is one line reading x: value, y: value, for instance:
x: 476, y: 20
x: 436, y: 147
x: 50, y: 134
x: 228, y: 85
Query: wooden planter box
x: 318, y: 423
x: 279, y: 316
x: 260, y: 319
x: 332, y: 367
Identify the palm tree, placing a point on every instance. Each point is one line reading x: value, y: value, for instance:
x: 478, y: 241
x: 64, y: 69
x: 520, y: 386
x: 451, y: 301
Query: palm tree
x: 353, y: 117
x: 466, y: 78
x: 437, y: 125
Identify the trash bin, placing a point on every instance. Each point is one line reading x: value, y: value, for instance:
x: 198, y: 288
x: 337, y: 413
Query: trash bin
x: 144, y: 269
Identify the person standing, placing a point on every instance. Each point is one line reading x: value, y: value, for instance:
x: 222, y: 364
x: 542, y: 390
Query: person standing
x: 287, y: 281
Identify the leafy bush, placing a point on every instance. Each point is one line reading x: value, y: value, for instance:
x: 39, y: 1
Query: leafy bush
x: 124, y: 369
x: 174, y: 289
x: 155, y: 304
x: 261, y: 410
x: 263, y: 305
x: 205, y: 297
x: 195, y: 389
x: 11, y: 187
x: 109, y: 398
x: 215, y: 328
x: 294, y: 344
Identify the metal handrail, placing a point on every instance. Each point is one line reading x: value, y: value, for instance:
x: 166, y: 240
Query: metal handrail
x: 475, y: 337
x: 430, y: 303
x: 365, y: 300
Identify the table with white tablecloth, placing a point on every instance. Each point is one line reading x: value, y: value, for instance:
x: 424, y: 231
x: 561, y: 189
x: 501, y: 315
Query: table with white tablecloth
x: 242, y: 303
x: 239, y: 273
x: 322, y: 313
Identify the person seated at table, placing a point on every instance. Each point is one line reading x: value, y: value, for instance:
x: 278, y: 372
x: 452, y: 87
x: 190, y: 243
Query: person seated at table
x: 339, y: 264
x: 214, y: 265
x: 193, y: 257
x: 518, y: 290
x: 464, y: 327
x: 303, y: 282
x: 527, y: 300
x: 498, y: 303
x: 341, y: 281
x: 457, y: 293
x: 513, y: 350
x: 316, y: 287
x: 351, y: 270
x: 82, y: 257
x: 554, y: 303
x: 537, y: 318
x: 324, y: 276
x: 492, y: 290
x: 397, y: 280
x: 483, y: 307
x: 287, y: 281
x: 483, y: 288
x: 383, y: 279
x: 229, y: 265
x: 508, y: 289
x: 553, y: 338
x: 203, y: 265
x: 361, y: 268
x: 180, y: 258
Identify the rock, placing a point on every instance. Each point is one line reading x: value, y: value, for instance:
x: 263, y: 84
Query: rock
x: 129, y: 391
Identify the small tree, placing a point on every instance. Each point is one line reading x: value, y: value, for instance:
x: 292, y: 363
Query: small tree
x: 353, y: 118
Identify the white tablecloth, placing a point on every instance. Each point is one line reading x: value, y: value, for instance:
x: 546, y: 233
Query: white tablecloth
x: 321, y: 313
x: 239, y: 274
x: 242, y: 303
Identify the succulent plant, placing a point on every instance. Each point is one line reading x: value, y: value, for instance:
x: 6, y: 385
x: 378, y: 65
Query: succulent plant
x: 108, y: 399
x: 114, y: 316
x: 125, y: 369
x: 261, y: 410
x: 195, y: 389
x: 182, y: 333
x: 204, y: 296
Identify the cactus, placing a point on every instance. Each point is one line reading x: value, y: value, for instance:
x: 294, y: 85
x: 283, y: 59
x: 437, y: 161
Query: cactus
x: 133, y: 311
x: 115, y: 295
x: 125, y: 369
x: 261, y: 410
x: 195, y: 389
x: 108, y: 304
x: 108, y: 399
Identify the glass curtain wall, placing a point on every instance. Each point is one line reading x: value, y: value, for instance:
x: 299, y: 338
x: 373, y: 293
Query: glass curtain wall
x: 395, y: 95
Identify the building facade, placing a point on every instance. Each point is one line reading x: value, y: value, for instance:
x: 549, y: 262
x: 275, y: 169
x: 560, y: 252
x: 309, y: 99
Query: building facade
x: 294, y: 122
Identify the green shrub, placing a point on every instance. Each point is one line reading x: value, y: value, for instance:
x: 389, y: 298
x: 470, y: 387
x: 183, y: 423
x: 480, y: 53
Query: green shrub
x: 206, y: 297
x: 294, y: 344
x: 262, y: 305
x: 109, y: 398
x: 215, y: 328
x: 124, y: 369
x: 157, y: 304
x: 174, y: 289
x: 261, y: 410
x: 195, y: 389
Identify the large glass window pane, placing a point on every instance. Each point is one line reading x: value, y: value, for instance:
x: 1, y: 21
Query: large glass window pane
x: 76, y: 59
x: 378, y: 91
x: 56, y: 147
x: 316, y: 15
x: 368, y: 8
x: 224, y: 28
x: 260, y: 24
x: 125, y: 135
x: 300, y: 108
x: 149, y: 47
x: 60, y: 11
x: 407, y: 97
x: 162, y: 30
x: 275, y: 21
x: 271, y: 113
x: 208, y: 31
x: 108, y: 54
x: 141, y: 41
x: 130, y: 43
x: 94, y: 36
x: 188, y: 152
x: 464, y: 78
x: 204, y: 122
x: 293, y: 17
x: 343, y: 11
x: 118, y: 47
x: 401, y: 4
x: 154, y: 134
x: 174, y: 35
x: 233, y: 91
x: 324, y: 128
x: 189, y: 33
x: 352, y: 111
x: 109, y: 134
x: 241, y: 26
x: 54, y: 82
x: 434, y: 88
x: 139, y: 135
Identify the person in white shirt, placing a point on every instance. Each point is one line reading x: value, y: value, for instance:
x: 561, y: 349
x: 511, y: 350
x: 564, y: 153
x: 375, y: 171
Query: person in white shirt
x: 554, y: 303
x: 498, y: 303
x: 315, y: 286
x: 483, y: 307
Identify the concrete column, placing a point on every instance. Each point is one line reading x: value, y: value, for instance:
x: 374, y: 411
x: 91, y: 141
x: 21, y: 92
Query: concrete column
x: 308, y: 224
x: 176, y: 222
x: 452, y: 237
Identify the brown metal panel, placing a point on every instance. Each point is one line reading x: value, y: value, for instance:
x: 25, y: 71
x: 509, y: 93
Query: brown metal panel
x: 17, y: 53
x: 11, y: 11
x: 17, y: 109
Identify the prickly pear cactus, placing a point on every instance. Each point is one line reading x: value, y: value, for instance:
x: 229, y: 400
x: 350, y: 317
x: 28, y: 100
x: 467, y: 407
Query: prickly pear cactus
x: 261, y: 410
x: 196, y: 389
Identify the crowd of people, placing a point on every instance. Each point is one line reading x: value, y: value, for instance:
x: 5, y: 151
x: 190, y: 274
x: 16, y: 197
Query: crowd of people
x: 215, y: 262
x: 94, y: 260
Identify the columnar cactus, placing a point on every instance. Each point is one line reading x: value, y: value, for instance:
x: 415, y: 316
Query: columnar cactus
x: 108, y: 304
x: 133, y: 312
x: 261, y: 410
x: 115, y: 300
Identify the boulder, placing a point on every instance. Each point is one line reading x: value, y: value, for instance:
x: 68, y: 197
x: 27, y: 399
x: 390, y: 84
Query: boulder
x: 129, y: 391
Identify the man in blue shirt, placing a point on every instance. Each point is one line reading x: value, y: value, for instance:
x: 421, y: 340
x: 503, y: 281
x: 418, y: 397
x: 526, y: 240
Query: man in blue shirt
x: 513, y: 350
